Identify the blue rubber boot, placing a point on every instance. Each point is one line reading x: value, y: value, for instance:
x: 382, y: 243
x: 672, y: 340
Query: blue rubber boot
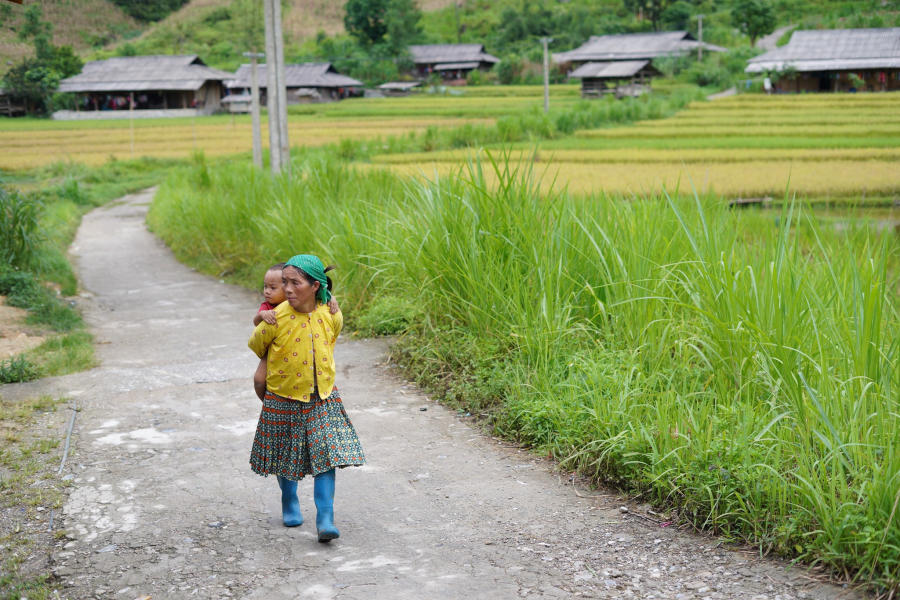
x: 290, y: 504
x: 323, y: 494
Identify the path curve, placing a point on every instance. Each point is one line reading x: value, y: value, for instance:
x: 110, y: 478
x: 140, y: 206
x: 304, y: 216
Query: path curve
x: 770, y: 41
x: 164, y: 504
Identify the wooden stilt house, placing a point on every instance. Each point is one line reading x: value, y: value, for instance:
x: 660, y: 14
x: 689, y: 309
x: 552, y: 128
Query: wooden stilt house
x: 834, y: 60
x: 622, y: 64
x: 175, y: 85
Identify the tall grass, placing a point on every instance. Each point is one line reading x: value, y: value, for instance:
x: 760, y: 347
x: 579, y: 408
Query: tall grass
x: 20, y: 234
x: 740, y: 368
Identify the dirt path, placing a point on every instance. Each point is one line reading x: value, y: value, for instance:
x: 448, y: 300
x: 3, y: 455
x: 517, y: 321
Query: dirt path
x: 770, y: 42
x: 164, y: 504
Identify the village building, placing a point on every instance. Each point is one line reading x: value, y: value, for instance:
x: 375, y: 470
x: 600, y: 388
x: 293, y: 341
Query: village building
x: 834, y: 61
x: 305, y: 82
x: 144, y: 86
x: 622, y: 77
x: 9, y: 107
x: 452, y: 62
x: 398, y: 88
x: 622, y: 63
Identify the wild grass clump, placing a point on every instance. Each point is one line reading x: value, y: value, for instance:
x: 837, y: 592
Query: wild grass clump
x: 17, y: 368
x: 20, y: 235
x: 739, y: 368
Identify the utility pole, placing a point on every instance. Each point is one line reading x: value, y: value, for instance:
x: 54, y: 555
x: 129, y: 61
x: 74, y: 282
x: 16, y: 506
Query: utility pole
x: 254, y: 107
x: 544, y: 42
x: 282, y: 88
x: 700, y: 36
x: 279, y: 155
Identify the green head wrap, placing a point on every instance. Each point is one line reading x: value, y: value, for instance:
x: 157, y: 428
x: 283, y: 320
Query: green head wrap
x: 312, y: 266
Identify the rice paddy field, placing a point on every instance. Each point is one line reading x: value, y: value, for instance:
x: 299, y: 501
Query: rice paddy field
x: 819, y: 147
x: 94, y: 143
x: 30, y: 143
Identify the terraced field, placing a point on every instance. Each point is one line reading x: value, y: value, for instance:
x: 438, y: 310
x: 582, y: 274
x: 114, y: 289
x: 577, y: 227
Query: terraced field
x: 32, y: 143
x: 745, y: 146
x: 27, y: 143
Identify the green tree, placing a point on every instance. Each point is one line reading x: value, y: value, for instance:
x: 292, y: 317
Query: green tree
x: 678, y: 15
x: 650, y: 9
x: 149, y: 10
x: 755, y: 18
x: 35, y: 79
x: 374, y: 22
x: 404, y: 27
x: 365, y: 20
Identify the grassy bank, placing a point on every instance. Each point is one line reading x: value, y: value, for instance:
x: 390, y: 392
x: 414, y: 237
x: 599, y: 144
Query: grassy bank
x: 40, y: 211
x: 740, y: 368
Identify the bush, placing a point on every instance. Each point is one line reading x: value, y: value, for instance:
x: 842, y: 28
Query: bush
x: 509, y: 69
x: 388, y: 316
x: 19, y: 231
x: 16, y: 369
x: 23, y: 291
x: 475, y: 77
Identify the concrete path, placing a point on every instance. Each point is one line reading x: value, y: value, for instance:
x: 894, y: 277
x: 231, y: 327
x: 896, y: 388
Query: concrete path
x: 164, y: 505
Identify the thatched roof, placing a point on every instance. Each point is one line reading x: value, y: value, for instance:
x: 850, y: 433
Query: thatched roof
x: 143, y: 73
x: 619, y: 69
x: 833, y: 50
x: 304, y: 75
x: 634, y: 46
x: 454, y: 54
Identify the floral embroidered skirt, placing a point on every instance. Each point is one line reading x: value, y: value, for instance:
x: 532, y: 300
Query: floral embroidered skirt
x: 294, y: 439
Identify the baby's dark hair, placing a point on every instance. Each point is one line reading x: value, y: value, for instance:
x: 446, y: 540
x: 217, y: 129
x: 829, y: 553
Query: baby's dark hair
x: 275, y: 267
x: 327, y: 278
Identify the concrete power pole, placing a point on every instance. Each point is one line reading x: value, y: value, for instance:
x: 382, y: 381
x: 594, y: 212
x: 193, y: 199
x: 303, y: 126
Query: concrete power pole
x: 700, y: 37
x: 282, y: 88
x: 279, y: 155
x: 254, y: 107
x: 544, y: 42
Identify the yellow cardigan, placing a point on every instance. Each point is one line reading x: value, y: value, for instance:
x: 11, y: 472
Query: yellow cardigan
x: 290, y: 370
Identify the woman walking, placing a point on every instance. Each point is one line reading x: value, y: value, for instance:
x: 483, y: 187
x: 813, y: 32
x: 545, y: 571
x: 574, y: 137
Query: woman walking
x: 303, y: 428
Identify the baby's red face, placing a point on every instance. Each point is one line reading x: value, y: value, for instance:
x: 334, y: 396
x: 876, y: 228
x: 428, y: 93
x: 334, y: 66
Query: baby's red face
x: 273, y: 291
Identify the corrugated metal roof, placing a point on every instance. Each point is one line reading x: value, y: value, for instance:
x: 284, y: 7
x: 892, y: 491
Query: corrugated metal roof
x: 609, y: 70
x: 430, y: 54
x: 833, y: 50
x: 295, y: 76
x: 633, y: 46
x: 239, y: 98
x: 456, y: 65
x: 399, y: 85
x: 142, y: 73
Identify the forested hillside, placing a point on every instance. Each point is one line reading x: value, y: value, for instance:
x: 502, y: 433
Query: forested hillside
x: 221, y: 30
x: 86, y: 25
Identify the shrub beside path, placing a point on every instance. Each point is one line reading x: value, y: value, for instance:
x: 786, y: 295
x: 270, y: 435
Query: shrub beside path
x: 163, y: 503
